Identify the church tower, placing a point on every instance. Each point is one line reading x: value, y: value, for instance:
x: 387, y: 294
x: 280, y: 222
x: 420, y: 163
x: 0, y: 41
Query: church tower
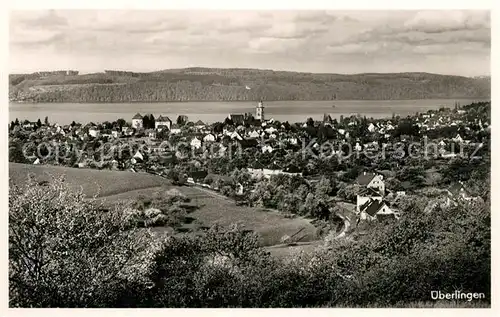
x: 259, y: 112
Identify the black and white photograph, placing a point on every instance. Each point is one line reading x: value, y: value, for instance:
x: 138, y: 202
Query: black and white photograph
x: 284, y: 158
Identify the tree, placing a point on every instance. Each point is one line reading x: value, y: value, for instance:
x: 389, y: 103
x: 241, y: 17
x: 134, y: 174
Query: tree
x: 218, y: 127
x: 145, y: 122
x: 65, y: 251
x: 39, y: 123
x: 323, y: 189
x: 182, y: 120
x: 349, y: 192
x: 16, y: 153
x: 152, y: 121
x: 46, y: 121
x: 310, y: 122
x: 121, y: 122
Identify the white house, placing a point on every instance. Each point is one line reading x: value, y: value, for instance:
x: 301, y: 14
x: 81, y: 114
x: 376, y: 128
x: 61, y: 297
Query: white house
x: 254, y: 134
x: 236, y: 135
x: 267, y: 148
x: 222, y: 149
x: 137, y: 121
x: 128, y: 131
x: 293, y: 140
x: 373, y: 209
x: 358, y: 147
x: 239, y: 190
x: 175, y: 129
x: 371, y: 128
x: 271, y: 130
x: 115, y: 134
x: 94, y: 132
x: 366, y: 195
x: 209, y: 138
x: 371, y: 180
x: 162, y: 121
x: 458, y: 138
x: 195, y: 143
x: 138, y: 157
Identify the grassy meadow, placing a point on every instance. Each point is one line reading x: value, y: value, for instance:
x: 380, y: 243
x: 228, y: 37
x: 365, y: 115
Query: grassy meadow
x: 210, y: 208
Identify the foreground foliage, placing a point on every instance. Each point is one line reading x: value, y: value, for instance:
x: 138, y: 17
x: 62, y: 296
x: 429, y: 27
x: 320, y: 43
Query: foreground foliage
x: 66, y: 252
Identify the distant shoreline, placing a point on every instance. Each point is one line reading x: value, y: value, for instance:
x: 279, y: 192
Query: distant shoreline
x: 245, y: 101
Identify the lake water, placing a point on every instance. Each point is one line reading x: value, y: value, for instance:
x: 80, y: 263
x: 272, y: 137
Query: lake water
x: 208, y: 112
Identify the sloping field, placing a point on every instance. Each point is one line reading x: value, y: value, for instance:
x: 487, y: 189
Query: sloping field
x: 271, y: 225
x: 212, y: 209
x: 91, y: 181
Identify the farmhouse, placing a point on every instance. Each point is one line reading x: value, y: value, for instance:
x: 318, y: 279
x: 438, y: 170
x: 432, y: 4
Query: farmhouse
x: 373, y: 209
x: 365, y: 195
x: 459, y: 191
x: 371, y: 180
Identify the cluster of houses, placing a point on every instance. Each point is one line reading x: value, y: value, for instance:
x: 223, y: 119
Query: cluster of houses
x: 275, y: 135
x: 372, y: 203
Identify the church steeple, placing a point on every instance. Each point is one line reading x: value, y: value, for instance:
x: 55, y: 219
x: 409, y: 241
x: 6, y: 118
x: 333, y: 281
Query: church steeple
x: 259, y: 111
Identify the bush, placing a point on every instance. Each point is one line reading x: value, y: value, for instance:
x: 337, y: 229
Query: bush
x: 64, y: 251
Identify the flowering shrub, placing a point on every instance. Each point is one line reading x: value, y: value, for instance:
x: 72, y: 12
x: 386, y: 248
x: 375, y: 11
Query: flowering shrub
x: 65, y: 250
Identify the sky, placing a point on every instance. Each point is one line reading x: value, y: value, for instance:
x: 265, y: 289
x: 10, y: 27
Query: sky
x: 445, y: 41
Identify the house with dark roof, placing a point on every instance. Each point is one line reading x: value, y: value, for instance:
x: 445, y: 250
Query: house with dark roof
x: 459, y: 191
x: 137, y: 121
x: 366, y: 194
x: 175, y: 129
x: 371, y: 180
x: 373, y: 209
x: 197, y: 176
x: 162, y: 122
x: 237, y: 118
x: 199, y: 124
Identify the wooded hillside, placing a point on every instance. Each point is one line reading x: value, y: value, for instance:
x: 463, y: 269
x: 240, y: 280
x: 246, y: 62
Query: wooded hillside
x: 208, y: 84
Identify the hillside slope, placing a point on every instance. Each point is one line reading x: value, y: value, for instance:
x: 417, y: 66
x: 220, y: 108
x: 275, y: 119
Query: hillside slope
x: 207, y: 84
